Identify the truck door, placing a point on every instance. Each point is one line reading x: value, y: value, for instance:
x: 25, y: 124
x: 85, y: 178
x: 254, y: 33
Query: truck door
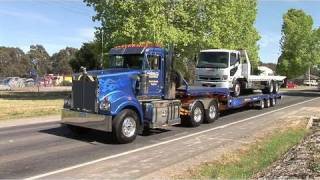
x: 234, y: 65
x: 246, y: 66
x: 154, y: 77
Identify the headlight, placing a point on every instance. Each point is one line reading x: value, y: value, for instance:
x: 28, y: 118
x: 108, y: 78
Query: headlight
x: 67, y: 102
x: 105, y: 104
x: 224, y: 77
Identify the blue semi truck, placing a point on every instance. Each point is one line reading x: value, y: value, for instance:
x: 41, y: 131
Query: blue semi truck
x: 141, y: 90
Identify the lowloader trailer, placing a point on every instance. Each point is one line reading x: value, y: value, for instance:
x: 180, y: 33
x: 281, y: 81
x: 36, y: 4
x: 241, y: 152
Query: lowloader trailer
x: 141, y: 91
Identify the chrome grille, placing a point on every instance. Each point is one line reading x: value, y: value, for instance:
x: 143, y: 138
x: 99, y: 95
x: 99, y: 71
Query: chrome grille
x: 209, y: 78
x: 84, y: 95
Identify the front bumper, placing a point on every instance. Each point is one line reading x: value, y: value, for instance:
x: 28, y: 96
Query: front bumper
x: 87, y: 120
x: 221, y: 84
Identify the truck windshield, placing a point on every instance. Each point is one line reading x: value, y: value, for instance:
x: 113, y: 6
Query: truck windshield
x: 213, y: 60
x: 130, y: 61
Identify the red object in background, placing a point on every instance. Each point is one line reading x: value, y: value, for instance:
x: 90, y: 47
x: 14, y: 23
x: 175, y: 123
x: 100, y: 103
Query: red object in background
x: 291, y: 84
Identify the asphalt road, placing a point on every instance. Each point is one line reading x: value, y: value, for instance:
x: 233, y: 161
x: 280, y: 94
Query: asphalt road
x: 42, y: 149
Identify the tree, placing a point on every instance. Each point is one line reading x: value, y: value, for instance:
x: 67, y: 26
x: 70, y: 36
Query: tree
x: 61, y: 60
x: 296, y: 44
x: 190, y: 25
x: 13, y: 62
x: 39, y: 55
x: 87, y: 56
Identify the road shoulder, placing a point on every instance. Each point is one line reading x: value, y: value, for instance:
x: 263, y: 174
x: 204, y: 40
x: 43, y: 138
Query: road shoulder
x: 29, y: 121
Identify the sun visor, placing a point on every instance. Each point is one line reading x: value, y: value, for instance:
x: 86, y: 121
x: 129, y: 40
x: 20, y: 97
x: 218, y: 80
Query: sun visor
x: 131, y: 50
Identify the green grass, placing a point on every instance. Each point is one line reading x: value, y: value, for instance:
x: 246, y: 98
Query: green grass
x: 256, y: 158
x: 30, y: 104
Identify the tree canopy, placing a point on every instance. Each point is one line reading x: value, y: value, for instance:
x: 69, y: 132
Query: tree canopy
x: 190, y: 25
x: 13, y: 62
x: 61, y: 60
x: 299, y: 44
x: 87, y: 56
x: 40, y: 58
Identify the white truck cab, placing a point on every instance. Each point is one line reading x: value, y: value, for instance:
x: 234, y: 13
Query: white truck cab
x: 232, y: 69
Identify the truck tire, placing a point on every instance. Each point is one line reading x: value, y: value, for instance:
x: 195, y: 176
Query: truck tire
x: 267, y: 103
x: 262, y: 104
x: 125, y: 126
x: 273, y: 101
x: 275, y: 87
x: 268, y: 89
x: 236, y: 89
x: 196, y: 116
x: 212, y: 113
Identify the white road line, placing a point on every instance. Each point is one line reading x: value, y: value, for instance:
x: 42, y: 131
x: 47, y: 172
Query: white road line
x: 160, y: 143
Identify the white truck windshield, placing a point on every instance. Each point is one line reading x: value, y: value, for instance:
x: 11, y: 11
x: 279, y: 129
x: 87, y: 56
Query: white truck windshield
x: 213, y: 60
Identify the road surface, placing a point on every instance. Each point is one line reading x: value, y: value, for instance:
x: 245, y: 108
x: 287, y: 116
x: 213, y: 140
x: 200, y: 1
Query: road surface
x: 48, y: 150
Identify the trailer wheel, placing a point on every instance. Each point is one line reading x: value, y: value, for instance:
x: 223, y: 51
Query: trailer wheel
x: 262, y: 104
x: 236, y: 89
x: 267, y: 103
x: 269, y: 89
x: 273, y: 101
x: 212, y: 113
x: 125, y: 126
x: 196, y: 116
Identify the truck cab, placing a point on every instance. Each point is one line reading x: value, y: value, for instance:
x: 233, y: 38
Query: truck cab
x: 131, y: 94
x: 216, y: 67
x: 232, y: 69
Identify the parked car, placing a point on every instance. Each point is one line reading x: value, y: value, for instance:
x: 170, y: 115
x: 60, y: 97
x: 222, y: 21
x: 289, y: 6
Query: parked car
x: 311, y: 82
x: 4, y: 85
x: 291, y: 84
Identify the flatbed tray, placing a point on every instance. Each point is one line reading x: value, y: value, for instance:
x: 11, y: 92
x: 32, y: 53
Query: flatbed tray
x: 202, y: 90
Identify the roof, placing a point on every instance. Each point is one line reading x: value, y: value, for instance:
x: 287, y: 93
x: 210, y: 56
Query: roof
x: 219, y: 50
x: 127, y: 50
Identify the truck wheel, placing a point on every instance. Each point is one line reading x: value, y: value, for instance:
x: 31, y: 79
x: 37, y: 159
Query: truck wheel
x: 212, y: 112
x: 262, y: 104
x: 267, y: 103
x: 275, y: 87
x: 196, y: 116
x: 125, y: 126
x: 236, y: 89
x: 273, y: 101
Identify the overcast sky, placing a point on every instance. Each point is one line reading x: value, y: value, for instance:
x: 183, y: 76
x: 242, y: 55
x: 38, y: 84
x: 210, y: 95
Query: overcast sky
x: 59, y: 23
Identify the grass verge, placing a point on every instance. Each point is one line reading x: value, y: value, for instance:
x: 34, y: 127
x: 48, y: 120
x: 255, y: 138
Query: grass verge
x: 246, y: 163
x: 30, y: 104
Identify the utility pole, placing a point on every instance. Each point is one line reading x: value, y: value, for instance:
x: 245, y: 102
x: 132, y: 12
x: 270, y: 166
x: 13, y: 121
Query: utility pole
x: 101, y: 59
x: 309, y: 75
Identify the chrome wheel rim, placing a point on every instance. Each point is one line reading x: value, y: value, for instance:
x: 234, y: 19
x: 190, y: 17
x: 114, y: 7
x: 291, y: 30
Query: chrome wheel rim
x: 268, y: 103
x: 276, y: 87
x: 262, y: 104
x: 212, y: 112
x: 197, y: 114
x: 237, y: 89
x: 273, y: 101
x: 128, y: 127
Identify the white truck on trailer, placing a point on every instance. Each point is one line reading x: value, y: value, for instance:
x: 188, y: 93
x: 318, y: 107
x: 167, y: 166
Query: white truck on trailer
x: 232, y: 69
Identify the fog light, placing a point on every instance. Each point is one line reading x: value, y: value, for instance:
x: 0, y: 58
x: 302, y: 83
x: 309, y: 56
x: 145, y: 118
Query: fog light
x: 67, y: 103
x: 105, y: 104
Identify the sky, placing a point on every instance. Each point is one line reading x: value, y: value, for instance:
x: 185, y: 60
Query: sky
x: 57, y: 24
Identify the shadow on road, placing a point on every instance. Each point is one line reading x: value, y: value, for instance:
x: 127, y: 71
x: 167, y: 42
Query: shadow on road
x: 90, y: 135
